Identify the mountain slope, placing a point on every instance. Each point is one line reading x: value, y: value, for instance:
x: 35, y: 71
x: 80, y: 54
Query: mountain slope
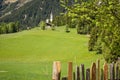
x: 29, y: 12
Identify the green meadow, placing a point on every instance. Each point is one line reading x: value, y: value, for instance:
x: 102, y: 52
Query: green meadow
x: 29, y: 55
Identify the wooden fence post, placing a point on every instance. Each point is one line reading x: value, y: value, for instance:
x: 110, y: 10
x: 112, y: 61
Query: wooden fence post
x: 70, y: 67
x: 98, y: 70
x: 77, y: 73
x: 56, y: 70
x: 59, y: 69
x: 105, y: 72
x: 88, y: 74
x: 117, y: 71
x: 93, y: 72
x: 112, y: 72
x: 83, y: 73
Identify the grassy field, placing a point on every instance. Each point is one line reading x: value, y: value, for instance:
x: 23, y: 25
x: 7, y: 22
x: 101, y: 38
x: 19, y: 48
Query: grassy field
x: 28, y: 55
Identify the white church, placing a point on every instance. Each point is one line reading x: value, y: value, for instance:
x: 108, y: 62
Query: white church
x: 49, y: 21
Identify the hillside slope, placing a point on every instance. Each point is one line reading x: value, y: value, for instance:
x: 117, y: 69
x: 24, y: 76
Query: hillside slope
x: 28, y: 12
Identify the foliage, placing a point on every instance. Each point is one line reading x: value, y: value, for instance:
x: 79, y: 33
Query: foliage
x: 11, y: 27
x: 110, y: 30
x: 59, y: 20
x: 81, y: 15
x: 108, y: 21
x: 94, y: 36
x: 67, y: 28
x: 100, y: 18
x: 42, y: 25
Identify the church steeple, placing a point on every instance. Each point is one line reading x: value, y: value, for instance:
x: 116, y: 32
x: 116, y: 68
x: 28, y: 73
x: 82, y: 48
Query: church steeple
x: 51, y: 17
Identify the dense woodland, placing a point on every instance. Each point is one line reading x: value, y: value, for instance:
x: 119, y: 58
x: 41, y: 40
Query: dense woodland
x: 98, y: 18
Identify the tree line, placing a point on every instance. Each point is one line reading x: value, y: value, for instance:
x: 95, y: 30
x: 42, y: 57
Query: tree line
x: 10, y: 27
x: 101, y: 20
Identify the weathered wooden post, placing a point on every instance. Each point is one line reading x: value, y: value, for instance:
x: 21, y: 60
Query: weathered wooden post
x: 83, y: 73
x: 98, y: 70
x: 105, y: 72
x: 112, y: 72
x: 88, y: 74
x: 117, y: 71
x: 77, y: 73
x: 93, y: 72
x: 56, y: 70
x: 70, y: 68
x: 59, y: 69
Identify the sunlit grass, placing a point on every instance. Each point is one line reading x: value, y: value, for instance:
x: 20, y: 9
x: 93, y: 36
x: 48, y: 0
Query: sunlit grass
x: 28, y: 55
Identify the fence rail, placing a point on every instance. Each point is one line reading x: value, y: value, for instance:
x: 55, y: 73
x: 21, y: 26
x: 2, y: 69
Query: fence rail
x: 108, y: 72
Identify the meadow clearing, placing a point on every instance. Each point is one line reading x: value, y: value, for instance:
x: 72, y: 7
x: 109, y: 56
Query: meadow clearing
x: 29, y: 55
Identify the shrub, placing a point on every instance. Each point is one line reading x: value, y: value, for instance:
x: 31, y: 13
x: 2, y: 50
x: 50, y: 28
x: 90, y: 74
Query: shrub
x: 42, y: 25
x: 67, y: 28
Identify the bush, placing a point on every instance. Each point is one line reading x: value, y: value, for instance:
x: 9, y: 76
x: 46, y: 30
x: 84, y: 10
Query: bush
x: 59, y: 20
x: 42, y: 25
x: 10, y: 29
x: 3, y: 28
x: 95, y: 43
x: 67, y: 28
x: 112, y: 52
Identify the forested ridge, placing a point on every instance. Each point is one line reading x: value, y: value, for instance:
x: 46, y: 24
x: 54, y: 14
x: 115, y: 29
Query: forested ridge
x: 31, y: 13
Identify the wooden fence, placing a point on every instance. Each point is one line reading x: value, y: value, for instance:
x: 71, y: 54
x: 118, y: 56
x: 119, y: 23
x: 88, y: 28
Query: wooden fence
x: 108, y: 72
